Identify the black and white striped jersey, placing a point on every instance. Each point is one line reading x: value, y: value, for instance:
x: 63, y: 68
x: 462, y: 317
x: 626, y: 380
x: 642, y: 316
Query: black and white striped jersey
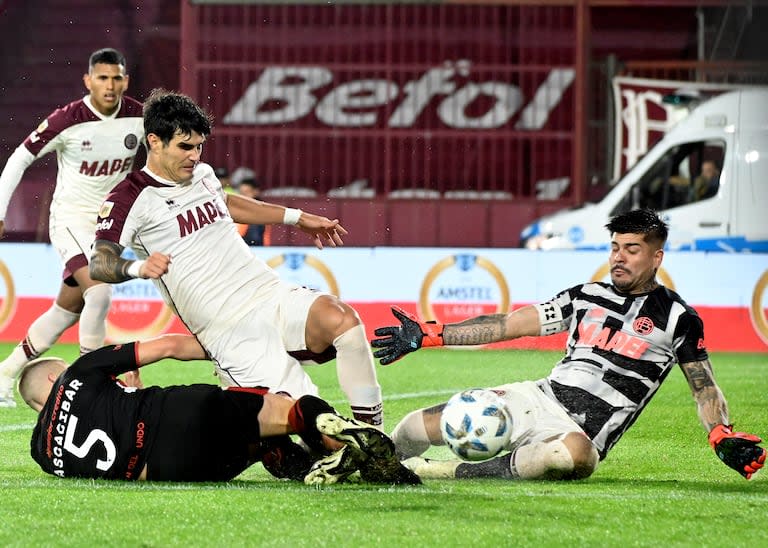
x: 620, y: 348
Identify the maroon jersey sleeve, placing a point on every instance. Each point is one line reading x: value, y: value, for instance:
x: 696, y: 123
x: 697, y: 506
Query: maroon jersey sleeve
x: 60, y: 119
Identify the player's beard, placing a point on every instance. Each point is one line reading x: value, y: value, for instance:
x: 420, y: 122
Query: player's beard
x: 634, y: 284
x: 622, y: 284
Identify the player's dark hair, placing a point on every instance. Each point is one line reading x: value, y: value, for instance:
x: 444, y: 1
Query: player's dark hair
x: 107, y: 56
x: 169, y: 112
x: 640, y: 221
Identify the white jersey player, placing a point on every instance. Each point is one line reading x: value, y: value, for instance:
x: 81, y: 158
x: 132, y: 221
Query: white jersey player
x: 96, y: 140
x: 624, y: 339
x: 176, y: 217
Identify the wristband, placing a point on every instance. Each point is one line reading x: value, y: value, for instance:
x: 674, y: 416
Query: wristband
x: 433, y: 334
x: 134, y: 268
x: 718, y: 433
x: 291, y: 216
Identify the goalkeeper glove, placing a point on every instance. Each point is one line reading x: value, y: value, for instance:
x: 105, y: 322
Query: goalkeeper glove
x: 397, y: 341
x: 738, y: 450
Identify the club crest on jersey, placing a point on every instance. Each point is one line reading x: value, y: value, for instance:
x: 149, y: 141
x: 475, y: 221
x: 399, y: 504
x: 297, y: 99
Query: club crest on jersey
x: 35, y: 135
x: 643, y: 325
x: 106, y: 209
x: 131, y: 141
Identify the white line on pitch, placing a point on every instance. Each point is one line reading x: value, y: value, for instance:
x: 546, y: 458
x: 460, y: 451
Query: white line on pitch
x: 14, y: 427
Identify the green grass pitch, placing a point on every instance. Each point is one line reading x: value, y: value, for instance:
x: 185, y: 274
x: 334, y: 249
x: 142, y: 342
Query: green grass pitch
x: 661, y: 485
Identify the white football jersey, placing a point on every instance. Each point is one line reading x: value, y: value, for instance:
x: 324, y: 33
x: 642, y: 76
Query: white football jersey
x: 94, y: 152
x: 191, y: 223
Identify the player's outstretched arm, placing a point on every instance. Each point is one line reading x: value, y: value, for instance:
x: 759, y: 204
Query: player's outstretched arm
x: 490, y: 328
x: 108, y: 266
x: 394, y: 342
x: 738, y: 450
x: 322, y: 229
x: 248, y: 211
x: 176, y: 346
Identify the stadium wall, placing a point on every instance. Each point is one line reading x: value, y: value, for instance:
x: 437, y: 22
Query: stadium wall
x: 445, y: 284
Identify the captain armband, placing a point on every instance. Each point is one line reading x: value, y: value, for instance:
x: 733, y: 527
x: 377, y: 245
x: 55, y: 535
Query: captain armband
x: 550, y: 318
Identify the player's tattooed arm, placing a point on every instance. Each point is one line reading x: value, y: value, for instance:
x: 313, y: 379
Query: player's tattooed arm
x: 712, y: 407
x: 106, y: 263
x: 478, y: 330
x: 491, y: 328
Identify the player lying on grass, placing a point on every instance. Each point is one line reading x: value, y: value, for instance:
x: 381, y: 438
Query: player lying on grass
x: 92, y: 426
x: 624, y: 339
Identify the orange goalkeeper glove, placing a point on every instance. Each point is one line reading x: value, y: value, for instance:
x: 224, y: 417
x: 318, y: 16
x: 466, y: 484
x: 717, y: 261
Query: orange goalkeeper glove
x: 397, y: 341
x: 738, y: 450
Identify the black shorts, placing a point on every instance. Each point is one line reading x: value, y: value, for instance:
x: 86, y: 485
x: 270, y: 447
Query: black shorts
x: 205, y: 434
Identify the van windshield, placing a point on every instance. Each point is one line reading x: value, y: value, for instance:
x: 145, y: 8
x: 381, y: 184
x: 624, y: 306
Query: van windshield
x: 687, y: 173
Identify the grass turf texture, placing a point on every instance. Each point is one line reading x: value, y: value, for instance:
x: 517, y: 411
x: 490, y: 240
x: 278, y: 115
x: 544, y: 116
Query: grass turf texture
x: 661, y: 483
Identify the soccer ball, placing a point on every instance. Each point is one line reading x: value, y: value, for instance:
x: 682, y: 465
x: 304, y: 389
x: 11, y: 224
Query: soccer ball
x: 475, y: 424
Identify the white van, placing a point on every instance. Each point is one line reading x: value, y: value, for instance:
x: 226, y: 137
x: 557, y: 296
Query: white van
x: 727, y: 213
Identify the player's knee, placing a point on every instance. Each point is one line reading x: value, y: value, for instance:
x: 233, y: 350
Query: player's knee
x: 573, y: 457
x: 329, y: 318
x: 583, y: 453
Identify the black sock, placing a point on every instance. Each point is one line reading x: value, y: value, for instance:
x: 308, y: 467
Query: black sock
x: 303, y: 419
x: 497, y: 467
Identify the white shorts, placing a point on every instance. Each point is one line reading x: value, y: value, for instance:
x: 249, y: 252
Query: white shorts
x: 72, y: 235
x: 535, y: 416
x: 254, y: 350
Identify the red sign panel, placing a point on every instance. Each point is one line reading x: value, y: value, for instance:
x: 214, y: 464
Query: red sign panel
x: 444, y: 97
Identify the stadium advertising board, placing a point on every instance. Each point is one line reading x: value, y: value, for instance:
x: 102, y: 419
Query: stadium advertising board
x: 406, y: 96
x: 730, y: 292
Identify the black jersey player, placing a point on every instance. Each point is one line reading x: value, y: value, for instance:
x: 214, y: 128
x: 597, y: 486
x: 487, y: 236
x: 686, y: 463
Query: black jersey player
x: 91, y: 425
x: 624, y: 339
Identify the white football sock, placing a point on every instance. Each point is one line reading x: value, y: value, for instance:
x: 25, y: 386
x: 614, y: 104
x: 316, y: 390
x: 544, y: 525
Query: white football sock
x: 42, y: 335
x: 357, y: 375
x: 93, y: 327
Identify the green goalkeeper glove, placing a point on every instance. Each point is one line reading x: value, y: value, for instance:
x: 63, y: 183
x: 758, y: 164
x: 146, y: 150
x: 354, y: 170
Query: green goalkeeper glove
x: 397, y: 341
x: 738, y: 450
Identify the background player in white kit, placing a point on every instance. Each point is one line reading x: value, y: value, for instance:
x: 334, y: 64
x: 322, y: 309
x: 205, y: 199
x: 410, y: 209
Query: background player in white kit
x: 624, y: 339
x: 96, y: 139
x: 180, y: 223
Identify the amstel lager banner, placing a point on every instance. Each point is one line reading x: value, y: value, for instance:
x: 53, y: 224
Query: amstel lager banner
x: 730, y: 291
